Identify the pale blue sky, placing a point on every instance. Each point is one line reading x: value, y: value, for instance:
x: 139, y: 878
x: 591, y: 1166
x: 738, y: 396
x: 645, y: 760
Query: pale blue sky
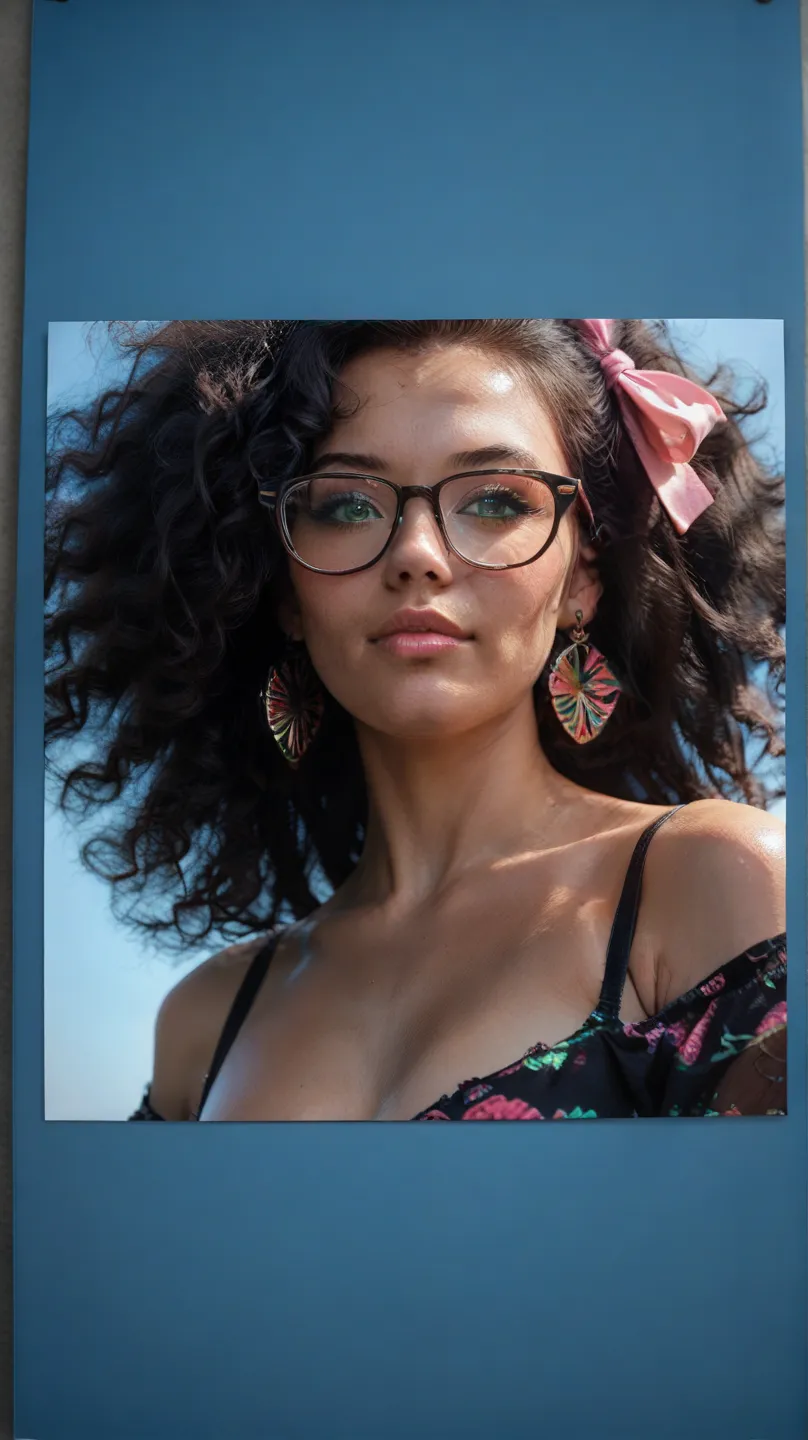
x: 102, y: 985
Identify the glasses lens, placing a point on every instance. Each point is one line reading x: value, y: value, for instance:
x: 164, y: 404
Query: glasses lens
x: 338, y: 522
x: 498, y: 519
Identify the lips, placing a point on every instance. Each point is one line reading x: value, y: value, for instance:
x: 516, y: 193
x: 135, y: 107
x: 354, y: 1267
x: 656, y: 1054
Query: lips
x: 420, y: 622
x: 419, y: 635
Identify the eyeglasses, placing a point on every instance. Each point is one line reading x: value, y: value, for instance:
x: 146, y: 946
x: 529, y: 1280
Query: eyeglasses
x: 338, y: 522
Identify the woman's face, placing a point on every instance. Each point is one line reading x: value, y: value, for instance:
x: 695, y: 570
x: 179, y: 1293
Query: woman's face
x: 418, y: 414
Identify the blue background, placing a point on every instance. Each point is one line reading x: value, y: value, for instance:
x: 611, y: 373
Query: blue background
x: 408, y: 157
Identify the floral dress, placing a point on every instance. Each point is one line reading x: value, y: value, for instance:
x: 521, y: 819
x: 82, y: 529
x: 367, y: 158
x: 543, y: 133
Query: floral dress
x: 718, y: 1050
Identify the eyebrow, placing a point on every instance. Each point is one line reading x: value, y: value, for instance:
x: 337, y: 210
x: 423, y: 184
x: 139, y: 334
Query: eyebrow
x: 463, y: 460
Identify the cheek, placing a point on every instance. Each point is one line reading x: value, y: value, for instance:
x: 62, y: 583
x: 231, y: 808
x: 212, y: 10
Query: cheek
x: 331, y: 614
x: 521, y: 606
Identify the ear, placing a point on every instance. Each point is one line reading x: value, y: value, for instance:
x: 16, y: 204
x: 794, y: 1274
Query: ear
x: 584, y: 589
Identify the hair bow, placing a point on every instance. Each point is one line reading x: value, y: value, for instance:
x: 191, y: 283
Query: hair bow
x: 666, y: 417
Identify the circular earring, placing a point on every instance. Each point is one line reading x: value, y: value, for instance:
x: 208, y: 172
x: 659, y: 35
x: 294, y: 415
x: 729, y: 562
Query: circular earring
x: 294, y: 706
x: 583, y: 690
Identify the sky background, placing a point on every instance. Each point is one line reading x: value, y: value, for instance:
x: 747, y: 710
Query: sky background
x: 103, y: 985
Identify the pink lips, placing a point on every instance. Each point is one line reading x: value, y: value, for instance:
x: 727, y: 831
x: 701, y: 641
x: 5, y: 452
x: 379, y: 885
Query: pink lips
x: 426, y: 642
x: 419, y: 633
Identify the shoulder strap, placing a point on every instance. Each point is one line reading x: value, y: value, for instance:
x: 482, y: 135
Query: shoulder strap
x: 624, y: 924
x: 239, y: 1010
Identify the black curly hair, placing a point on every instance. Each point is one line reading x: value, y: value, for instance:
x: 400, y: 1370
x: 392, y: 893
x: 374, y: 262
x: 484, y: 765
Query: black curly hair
x: 162, y: 585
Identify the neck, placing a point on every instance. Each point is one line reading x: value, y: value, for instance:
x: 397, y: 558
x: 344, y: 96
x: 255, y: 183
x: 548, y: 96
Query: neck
x: 438, y: 807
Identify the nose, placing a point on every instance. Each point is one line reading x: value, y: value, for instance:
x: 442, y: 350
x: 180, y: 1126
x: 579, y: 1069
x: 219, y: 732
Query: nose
x: 418, y: 548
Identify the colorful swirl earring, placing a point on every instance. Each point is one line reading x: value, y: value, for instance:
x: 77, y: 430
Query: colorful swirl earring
x: 583, y: 690
x: 294, y: 706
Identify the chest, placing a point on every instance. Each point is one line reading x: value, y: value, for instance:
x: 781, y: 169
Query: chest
x: 384, y: 1018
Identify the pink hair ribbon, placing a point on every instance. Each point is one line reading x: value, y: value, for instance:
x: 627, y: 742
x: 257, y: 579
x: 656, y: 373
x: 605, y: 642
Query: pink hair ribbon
x: 666, y: 417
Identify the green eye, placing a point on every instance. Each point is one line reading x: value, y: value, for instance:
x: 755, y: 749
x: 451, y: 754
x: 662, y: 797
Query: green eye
x: 495, y: 505
x: 346, y: 510
x: 491, y: 507
x: 353, y: 511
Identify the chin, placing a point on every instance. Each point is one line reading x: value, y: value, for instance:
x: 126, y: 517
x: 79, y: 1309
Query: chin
x: 418, y: 716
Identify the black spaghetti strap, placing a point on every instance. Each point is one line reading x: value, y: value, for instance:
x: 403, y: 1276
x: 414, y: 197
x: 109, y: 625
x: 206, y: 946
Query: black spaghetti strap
x: 239, y: 1010
x: 618, y: 952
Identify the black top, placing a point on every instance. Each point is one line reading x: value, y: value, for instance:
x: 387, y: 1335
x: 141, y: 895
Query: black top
x: 672, y: 1063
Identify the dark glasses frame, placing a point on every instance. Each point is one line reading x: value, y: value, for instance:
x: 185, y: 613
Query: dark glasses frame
x: 564, y: 489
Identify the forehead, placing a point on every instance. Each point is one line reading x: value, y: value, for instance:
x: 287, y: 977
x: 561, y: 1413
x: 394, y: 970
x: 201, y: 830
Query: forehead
x: 446, y: 398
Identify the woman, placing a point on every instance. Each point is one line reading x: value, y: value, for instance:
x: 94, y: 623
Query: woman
x: 425, y: 659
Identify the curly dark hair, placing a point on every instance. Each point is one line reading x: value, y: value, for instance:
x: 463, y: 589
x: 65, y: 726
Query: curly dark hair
x: 163, y: 575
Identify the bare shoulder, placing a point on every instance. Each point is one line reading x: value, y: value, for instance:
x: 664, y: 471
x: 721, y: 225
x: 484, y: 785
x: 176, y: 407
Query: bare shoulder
x: 188, y: 1026
x: 714, y: 886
